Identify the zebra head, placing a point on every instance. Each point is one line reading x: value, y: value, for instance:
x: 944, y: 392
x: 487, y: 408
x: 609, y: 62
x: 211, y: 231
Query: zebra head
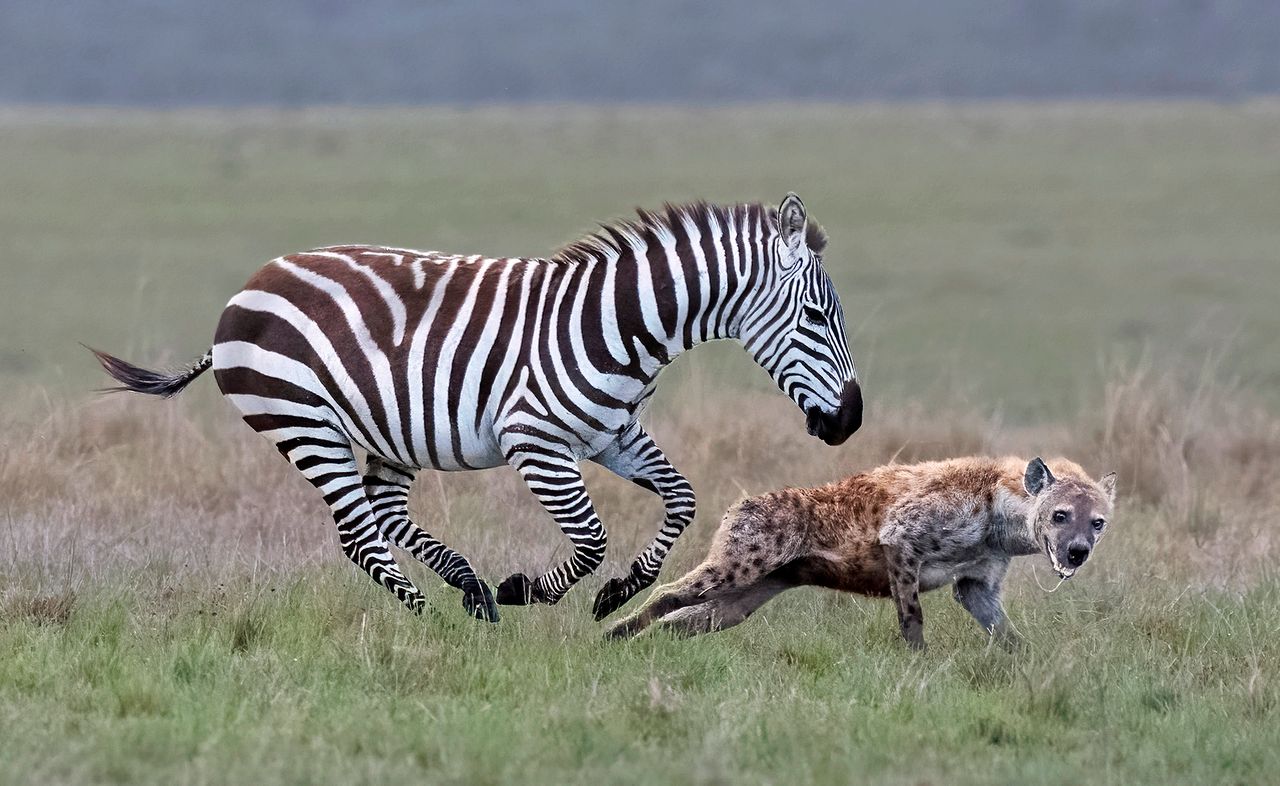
x: 794, y: 327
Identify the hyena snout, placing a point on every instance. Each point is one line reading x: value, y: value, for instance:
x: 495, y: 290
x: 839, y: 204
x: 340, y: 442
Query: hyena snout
x: 1077, y: 553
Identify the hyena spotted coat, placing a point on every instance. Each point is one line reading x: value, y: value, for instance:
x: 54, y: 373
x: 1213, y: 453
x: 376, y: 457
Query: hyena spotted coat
x: 892, y: 532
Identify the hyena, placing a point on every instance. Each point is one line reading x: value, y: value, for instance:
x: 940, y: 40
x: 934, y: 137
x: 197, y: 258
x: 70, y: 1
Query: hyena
x: 892, y: 532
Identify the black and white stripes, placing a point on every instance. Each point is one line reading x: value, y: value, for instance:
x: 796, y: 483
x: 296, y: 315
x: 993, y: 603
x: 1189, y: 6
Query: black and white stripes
x: 429, y: 360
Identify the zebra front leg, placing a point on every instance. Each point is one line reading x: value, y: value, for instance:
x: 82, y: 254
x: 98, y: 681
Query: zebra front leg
x: 557, y: 483
x: 387, y: 487
x: 635, y: 457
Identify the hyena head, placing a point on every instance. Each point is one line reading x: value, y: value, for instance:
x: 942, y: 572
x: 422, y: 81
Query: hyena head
x: 1068, y: 516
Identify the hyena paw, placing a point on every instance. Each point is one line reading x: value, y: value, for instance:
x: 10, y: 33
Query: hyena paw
x: 478, y: 601
x: 1011, y: 642
x: 624, y: 629
x: 612, y: 596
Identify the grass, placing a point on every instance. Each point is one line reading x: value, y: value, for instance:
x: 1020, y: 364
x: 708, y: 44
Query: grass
x: 318, y: 679
x: 988, y: 251
x: 175, y: 609
x: 1031, y: 279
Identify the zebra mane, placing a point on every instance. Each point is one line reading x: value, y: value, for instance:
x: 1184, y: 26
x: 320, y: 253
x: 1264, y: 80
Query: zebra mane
x: 613, y: 237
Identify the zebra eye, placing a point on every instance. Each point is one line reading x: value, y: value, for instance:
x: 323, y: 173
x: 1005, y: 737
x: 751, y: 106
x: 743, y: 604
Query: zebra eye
x: 813, y: 315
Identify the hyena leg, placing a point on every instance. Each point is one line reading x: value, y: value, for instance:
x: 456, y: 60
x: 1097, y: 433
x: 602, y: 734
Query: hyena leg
x: 724, y: 613
x: 904, y: 584
x: 736, y: 566
x: 635, y: 457
x: 324, y: 457
x: 981, y: 598
x: 557, y: 483
x: 387, y: 487
x: 699, y: 586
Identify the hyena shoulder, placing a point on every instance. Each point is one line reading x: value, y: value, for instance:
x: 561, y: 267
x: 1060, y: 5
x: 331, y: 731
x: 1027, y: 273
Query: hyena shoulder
x: 941, y: 505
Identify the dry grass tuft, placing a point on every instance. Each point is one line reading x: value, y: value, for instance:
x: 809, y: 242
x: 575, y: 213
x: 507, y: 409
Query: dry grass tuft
x: 172, y: 492
x: 53, y: 609
x: 1203, y: 458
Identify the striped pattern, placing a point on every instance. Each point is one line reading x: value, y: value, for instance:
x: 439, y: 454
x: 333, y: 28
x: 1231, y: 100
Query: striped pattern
x: 431, y: 360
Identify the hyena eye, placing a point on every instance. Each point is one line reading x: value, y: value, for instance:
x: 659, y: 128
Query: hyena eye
x: 1098, y: 524
x: 1059, y: 516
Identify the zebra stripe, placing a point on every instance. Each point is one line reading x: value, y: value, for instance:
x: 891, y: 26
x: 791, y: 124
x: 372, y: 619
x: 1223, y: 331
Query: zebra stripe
x: 431, y: 360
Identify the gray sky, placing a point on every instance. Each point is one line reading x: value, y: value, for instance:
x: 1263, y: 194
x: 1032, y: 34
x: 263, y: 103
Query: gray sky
x: 294, y: 52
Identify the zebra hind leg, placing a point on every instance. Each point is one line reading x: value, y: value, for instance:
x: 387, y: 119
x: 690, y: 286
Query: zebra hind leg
x: 387, y: 487
x: 324, y: 457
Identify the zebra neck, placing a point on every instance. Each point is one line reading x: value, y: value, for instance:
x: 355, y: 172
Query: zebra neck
x: 692, y: 283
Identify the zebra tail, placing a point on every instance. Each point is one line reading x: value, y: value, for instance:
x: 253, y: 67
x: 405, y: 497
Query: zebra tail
x: 154, y: 383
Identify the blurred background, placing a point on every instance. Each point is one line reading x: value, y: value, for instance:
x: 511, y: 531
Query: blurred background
x: 303, y: 52
x: 1018, y: 194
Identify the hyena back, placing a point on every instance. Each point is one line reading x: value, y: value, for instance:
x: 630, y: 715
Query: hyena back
x: 894, y: 531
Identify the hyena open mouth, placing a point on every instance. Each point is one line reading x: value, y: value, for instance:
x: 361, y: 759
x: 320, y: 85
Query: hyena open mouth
x: 1064, y: 573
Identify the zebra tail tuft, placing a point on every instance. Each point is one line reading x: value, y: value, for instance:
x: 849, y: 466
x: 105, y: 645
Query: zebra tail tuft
x: 154, y: 383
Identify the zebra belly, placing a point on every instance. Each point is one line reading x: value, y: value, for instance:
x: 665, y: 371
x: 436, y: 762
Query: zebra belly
x: 479, y: 450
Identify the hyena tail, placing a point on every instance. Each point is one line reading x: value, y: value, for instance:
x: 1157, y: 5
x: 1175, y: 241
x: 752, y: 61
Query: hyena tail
x: 154, y: 383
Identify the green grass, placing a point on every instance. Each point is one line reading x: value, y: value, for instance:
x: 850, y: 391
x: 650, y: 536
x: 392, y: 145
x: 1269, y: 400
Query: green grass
x: 321, y: 678
x: 174, y: 606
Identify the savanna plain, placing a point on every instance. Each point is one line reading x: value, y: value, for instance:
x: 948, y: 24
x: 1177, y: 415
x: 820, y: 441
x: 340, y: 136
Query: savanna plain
x: 1090, y: 280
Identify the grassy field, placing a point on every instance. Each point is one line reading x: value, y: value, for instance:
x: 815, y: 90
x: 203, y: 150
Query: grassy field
x: 1090, y: 280
x: 986, y: 252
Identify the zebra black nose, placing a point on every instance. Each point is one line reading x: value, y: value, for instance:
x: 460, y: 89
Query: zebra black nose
x: 836, y: 427
x: 1077, y: 554
x: 851, y: 407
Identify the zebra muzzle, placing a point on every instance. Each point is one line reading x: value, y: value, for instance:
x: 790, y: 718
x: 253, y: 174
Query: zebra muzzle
x: 834, y: 428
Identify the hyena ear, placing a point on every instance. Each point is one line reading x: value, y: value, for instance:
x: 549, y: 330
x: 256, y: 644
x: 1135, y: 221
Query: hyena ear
x: 1037, y: 478
x: 1108, y: 485
x: 792, y: 221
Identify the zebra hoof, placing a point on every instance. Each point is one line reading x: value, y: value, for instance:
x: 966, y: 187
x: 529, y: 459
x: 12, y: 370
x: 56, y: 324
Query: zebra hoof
x: 612, y: 596
x: 478, y: 601
x: 516, y: 590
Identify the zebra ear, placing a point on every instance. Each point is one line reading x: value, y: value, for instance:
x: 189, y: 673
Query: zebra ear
x: 792, y: 221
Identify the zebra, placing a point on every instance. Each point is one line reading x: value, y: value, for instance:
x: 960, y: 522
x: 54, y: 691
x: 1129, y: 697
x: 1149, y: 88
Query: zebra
x: 423, y: 359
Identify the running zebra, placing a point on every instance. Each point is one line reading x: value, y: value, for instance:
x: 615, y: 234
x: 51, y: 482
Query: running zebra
x: 431, y: 360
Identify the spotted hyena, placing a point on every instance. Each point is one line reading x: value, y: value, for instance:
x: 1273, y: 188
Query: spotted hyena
x: 892, y: 532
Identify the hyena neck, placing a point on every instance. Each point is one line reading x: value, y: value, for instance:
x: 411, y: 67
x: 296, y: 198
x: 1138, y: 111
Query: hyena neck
x: 1011, y: 529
